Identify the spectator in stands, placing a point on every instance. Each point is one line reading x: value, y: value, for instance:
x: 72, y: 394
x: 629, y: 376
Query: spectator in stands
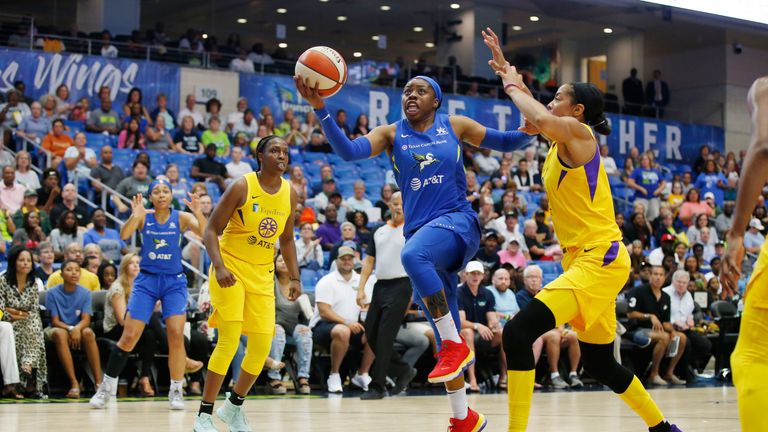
x: 329, y: 232
x: 12, y: 113
x: 74, y: 252
x: 19, y: 305
x: 291, y: 316
x: 384, y: 198
x: 179, y: 186
x: 348, y: 238
x: 114, y: 320
x: 501, y: 178
x: 107, y: 49
x: 667, y: 247
x: 692, y: 207
x: 80, y: 110
x: 92, y: 264
x: 237, y: 168
x: 187, y: 138
x: 311, y: 124
x: 107, y: 274
x: 35, y: 126
x: 341, y: 121
x: 358, y: 202
x: 258, y: 56
x: 488, y: 254
x: 711, y: 180
x: 724, y: 220
x: 237, y: 115
x: 632, y: 92
x: 69, y: 202
x: 207, y: 168
x: 681, y: 316
x: 753, y: 238
x: 163, y: 111
x: 131, y: 137
x: 107, y: 239
x: 269, y: 123
x: 24, y: 175
x: 85, y: 158
x: 50, y: 192
x: 687, y: 182
x: 241, y: 63
x: 525, y: 180
x: 361, y: 126
x: 70, y: 308
x: 11, y: 193
x: 189, y: 110
x: 701, y: 161
x: 649, y: 184
x: 506, y: 307
x: 335, y: 323
x: 657, y: 93
x: 651, y: 307
x: 608, y: 162
x: 484, y: 163
x: 45, y: 257
x: 57, y: 141
x: 695, y: 231
x: 629, y: 168
x: 513, y: 254
x: 65, y: 233
x: 48, y: 102
x: 247, y: 124
x: 214, y: 135
x: 318, y: 143
x: 30, y: 204
x: 294, y: 136
x: 507, y: 226
x: 30, y: 234
x: 535, y: 248
x: 105, y: 173
x: 676, y: 197
x: 129, y: 187
x: 323, y: 197
x: 544, y: 225
x: 299, y: 182
x: 158, y: 136
x: 284, y: 126
x: 104, y: 119
x: 308, y: 250
x: 555, y: 339
x: 212, y: 110
x: 638, y: 229
x: 480, y: 326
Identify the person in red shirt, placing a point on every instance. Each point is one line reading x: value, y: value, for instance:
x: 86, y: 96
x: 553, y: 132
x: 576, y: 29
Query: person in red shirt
x: 58, y: 141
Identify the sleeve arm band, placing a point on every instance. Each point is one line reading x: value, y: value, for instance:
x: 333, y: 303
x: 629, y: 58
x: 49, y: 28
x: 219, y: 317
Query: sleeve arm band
x: 505, y: 141
x: 349, y: 150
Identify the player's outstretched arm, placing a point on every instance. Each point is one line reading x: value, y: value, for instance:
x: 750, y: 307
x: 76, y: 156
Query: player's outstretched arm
x: 136, y: 221
x: 233, y: 198
x: 472, y: 132
x: 195, y: 221
x: 364, y: 147
x: 288, y: 249
x: 753, y: 177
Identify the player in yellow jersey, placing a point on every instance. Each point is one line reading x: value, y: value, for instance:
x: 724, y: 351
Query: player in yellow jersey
x: 749, y: 361
x: 253, y: 214
x: 595, y: 261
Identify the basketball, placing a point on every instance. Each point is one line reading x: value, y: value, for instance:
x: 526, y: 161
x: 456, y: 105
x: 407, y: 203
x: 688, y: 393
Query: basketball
x: 325, y: 66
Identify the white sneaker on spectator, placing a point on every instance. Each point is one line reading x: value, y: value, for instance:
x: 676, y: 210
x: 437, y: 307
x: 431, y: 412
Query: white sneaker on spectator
x: 657, y: 380
x: 204, y: 423
x: 102, y: 396
x: 672, y: 379
x: 362, y: 381
x: 176, y: 399
x: 334, y: 383
x: 575, y: 381
x: 559, y: 383
x: 233, y: 416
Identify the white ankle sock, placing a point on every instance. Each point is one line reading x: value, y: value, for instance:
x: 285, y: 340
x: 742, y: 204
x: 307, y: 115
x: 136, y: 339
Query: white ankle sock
x: 554, y: 375
x: 447, y: 328
x: 176, y: 385
x: 459, y: 403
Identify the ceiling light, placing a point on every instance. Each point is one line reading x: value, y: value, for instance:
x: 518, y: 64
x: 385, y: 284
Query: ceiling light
x: 534, y: 18
x: 418, y: 29
x: 357, y: 54
x: 301, y: 28
x: 385, y: 7
x: 608, y: 30
x: 282, y: 10
x: 323, y: 1
x: 242, y: 20
x: 282, y: 45
x: 341, y: 18
x: 205, y: 35
x: 375, y: 37
x: 429, y: 45
x: 516, y: 28
x: 455, y: 5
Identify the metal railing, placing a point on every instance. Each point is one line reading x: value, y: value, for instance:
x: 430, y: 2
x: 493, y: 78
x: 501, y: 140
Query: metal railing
x: 108, y: 191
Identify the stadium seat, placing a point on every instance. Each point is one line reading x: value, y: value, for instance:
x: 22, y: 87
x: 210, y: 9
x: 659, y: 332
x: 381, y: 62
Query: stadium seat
x: 74, y: 126
x: 315, y: 158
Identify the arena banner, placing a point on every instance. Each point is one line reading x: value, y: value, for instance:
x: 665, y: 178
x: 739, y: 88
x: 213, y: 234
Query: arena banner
x: 673, y: 142
x: 84, y: 75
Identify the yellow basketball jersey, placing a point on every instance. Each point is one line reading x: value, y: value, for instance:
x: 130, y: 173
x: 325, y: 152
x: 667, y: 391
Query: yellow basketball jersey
x: 253, y: 229
x: 580, y: 200
x: 757, y: 291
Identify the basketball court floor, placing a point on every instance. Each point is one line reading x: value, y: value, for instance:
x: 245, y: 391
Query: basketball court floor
x: 703, y: 409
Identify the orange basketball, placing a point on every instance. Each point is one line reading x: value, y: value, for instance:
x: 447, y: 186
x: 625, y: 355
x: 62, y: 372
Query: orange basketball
x: 325, y: 66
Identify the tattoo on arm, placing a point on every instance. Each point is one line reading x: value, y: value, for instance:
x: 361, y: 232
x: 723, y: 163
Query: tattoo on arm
x: 437, y: 305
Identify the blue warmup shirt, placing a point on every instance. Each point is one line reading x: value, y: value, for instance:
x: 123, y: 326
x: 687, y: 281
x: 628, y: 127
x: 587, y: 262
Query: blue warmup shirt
x: 161, y: 245
x: 429, y: 170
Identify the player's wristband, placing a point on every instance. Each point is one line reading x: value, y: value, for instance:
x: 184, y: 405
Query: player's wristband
x: 295, y: 280
x: 510, y: 85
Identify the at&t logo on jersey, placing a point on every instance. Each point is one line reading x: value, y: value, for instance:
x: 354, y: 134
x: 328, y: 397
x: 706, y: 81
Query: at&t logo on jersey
x: 159, y: 256
x: 417, y: 183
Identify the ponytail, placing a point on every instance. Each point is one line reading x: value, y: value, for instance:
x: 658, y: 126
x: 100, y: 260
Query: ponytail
x: 592, y: 99
x: 602, y: 126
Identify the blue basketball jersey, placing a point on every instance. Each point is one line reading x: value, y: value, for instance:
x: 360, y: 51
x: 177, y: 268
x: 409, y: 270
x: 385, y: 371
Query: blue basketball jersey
x: 161, y: 245
x: 429, y: 170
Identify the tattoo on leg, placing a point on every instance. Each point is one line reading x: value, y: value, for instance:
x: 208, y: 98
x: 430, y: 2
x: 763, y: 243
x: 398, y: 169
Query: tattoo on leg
x: 437, y: 305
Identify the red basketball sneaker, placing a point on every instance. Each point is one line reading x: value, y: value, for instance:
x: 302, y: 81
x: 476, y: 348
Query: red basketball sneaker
x: 452, y: 359
x: 475, y: 422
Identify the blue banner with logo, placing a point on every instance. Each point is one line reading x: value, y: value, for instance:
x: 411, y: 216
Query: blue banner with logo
x: 42, y: 73
x: 673, y: 142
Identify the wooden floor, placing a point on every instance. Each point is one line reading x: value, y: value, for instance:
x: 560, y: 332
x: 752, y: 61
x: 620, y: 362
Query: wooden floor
x: 694, y: 409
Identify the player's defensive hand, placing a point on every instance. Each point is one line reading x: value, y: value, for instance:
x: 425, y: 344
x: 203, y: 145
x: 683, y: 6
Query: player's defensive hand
x: 731, y: 267
x: 311, y: 94
x: 193, y: 202
x: 137, y: 206
x: 224, y: 277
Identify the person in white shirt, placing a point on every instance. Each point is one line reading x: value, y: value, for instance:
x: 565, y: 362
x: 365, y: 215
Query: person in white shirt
x: 234, y: 117
x: 189, y: 110
x: 754, y: 239
x: 485, y: 163
x: 308, y: 251
x: 508, y: 227
x: 681, y: 312
x: 359, y: 202
x: 247, y: 124
x: 241, y: 63
x: 608, y: 162
x: 107, y: 49
x: 237, y: 168
x: 336, y: 321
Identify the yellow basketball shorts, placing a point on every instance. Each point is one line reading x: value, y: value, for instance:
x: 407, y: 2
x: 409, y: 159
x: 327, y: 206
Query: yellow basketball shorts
x: 750, y: 365
x: 585, y: 294
x: 250, y: 300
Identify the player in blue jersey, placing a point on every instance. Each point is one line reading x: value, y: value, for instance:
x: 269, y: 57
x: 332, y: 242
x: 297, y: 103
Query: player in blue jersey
x: 161, y: 278
x: 441, y: 229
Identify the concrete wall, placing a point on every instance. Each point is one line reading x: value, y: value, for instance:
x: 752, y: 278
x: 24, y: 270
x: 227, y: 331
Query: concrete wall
x: 225, y: 86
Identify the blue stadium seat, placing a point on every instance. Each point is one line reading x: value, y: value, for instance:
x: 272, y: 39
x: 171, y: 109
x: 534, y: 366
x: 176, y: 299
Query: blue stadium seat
x: 346, y: 171
x: 312, y: 170
x: 214, y: 192
x: 335, y: 159
x: 95, y: 140
x: 496, y: 194
x: 312, y: 157
x: 74, y: 126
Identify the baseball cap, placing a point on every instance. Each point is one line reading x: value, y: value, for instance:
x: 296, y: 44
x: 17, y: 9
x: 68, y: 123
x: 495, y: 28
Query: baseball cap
x: 329, y: 180
x: 474, y: 266
x: 514, y: 240
x: 720, y: 243
x: 346, y: 251
x: 755, y: 223
x: 709, y: 195
x: 335, y: 194
x: 668, y: 237
x: 30, y: 193
x: 511, y: 214
x: 491, y: 233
